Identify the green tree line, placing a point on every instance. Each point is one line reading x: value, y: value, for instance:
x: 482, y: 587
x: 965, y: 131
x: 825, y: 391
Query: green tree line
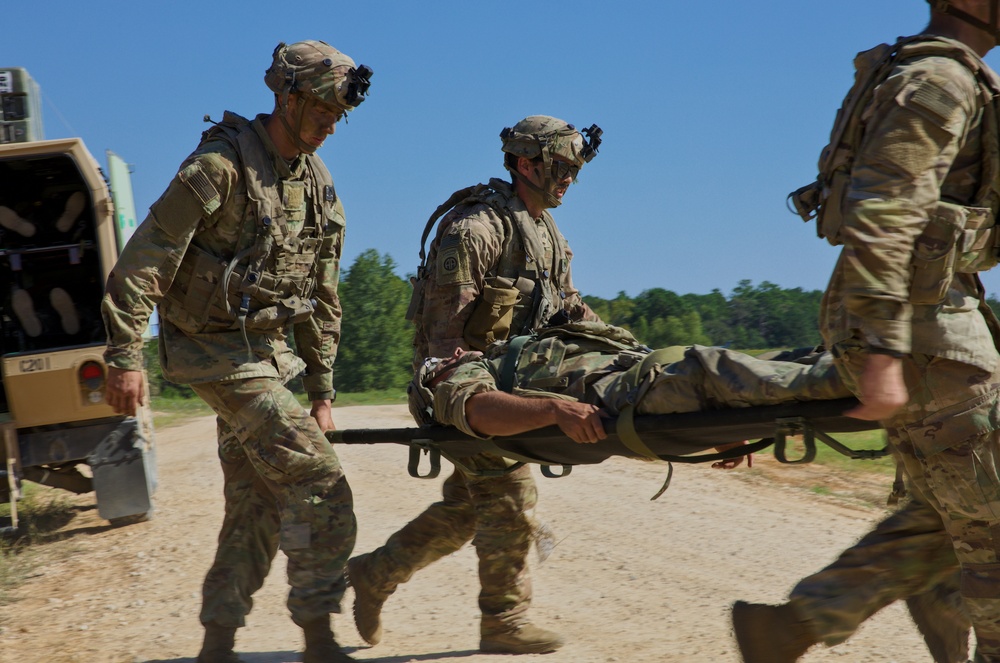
x: 376, y: 340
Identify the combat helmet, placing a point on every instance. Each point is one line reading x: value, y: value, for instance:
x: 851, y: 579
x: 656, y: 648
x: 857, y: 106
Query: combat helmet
x: 543, y: 137
x: 316, y: 70
x: 992, y: 26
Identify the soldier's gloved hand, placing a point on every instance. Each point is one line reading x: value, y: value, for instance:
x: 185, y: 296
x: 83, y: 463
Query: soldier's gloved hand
x: 125, y: 390
x: 581, y: 422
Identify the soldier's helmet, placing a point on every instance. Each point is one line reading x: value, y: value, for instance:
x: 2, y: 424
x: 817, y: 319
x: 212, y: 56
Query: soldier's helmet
x: 314, y: 68
x: 544, y: 136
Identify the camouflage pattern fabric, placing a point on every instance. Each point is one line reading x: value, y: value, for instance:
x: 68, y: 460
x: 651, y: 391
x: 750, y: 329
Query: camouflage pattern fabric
x: 587, y: 370
x: 493, y: 512
x: 468, y: 248
x: 906, y: 555
x: 284, y: 488
x: 189, y: 215
x: 923, y: 143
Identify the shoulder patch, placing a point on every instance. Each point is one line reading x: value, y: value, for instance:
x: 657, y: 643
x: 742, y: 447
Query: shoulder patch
x: 937, y: 101
x: 197, y: 182
x: 453, y: 261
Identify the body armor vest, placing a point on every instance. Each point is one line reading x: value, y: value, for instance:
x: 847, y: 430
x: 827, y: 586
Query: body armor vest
x: 519, y: 292
x: 270, y: 279
x: 958, y: 238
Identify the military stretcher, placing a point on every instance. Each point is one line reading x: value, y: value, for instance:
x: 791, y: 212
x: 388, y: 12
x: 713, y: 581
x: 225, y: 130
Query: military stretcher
x: 682, y: 438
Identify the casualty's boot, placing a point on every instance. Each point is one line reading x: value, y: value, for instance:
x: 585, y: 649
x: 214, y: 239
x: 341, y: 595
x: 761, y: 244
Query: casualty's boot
x: 770, y: 633
x: 74, y: 205
x: 367, y: 601
x: 63, y: 304
x: 218, y: 645
x: 941, y: 619
x: 522, y: 638
x: 320, y: 645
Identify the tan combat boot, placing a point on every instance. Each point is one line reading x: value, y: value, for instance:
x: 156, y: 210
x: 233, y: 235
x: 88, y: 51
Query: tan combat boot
x: 218, y: 645
x: 521, y: 638
x: 367, y: 602
x: 320, y: 645
x: 770, y: 633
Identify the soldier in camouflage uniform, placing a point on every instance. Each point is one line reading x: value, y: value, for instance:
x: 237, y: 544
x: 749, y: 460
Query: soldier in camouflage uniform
x: 914, y: 207
x: 498, y: 265
x: 245, y: 243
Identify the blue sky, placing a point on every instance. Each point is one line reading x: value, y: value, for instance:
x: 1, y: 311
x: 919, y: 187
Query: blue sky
x: 712, y: 112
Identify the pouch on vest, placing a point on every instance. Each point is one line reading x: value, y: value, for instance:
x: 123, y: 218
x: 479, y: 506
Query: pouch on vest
x: 935, y: 252
x: 288, y: 311
x: 198, y: 285
x: 978, y: 249
x: 492, y: 317
x: 540, y: 369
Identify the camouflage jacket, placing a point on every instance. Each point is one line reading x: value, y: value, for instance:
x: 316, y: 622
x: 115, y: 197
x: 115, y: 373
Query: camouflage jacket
x: 480, y: 243
x: 207, y: 214
x: 921, y: 151
x: 590, y: 362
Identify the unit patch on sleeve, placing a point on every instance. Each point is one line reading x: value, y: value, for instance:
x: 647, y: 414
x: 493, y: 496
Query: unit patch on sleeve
x: 453, y: 261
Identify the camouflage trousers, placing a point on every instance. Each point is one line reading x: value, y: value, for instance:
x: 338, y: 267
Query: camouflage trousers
x: 948, y: 442
x: 284, y: 488
x: 492, y: 512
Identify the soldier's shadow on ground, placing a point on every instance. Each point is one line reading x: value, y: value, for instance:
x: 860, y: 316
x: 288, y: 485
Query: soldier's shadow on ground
x: 357, y: 652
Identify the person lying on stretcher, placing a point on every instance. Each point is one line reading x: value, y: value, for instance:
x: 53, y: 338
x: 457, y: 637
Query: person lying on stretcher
x: 573, y: 375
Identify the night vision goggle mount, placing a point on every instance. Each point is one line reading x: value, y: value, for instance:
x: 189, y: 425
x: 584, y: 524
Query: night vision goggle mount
x: 592, y: 142
x: 359, y: 80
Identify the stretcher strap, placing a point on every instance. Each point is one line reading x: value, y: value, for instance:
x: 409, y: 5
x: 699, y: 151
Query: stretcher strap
x: 641, y: 377
x: 510, y: 361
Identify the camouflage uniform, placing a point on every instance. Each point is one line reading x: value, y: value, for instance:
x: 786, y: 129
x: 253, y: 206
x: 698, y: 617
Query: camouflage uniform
x: 923, y: 154
x: 284, y: 486
x: 488, y: 254
x: 589, y: 362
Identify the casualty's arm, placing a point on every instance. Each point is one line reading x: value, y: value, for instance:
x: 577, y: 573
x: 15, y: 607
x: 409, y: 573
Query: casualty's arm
x: 500, y: 413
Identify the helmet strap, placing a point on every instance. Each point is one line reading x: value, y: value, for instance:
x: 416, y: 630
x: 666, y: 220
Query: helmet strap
x: 296, y: 133
x: 991, y: 27
x: 549, y: 198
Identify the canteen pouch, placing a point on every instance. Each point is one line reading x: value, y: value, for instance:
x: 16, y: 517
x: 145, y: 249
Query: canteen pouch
x: 933, y: 265
x: 492, y: 317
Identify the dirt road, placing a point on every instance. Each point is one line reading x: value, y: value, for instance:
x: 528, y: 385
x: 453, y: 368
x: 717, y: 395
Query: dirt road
x: 630, y: 580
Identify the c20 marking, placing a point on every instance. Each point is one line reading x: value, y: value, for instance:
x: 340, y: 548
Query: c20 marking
x: 33, y: 365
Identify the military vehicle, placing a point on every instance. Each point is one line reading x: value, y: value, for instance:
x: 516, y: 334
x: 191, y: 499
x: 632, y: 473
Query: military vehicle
x: 59, y: 238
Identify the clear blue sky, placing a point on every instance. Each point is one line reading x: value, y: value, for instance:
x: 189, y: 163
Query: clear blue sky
x: 712, y: 112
